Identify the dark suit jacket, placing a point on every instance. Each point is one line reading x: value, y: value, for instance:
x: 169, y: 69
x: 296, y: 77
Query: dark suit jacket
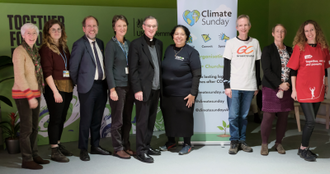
x: 83, y: 65
x: 272, y: 67
x: 141, y: 67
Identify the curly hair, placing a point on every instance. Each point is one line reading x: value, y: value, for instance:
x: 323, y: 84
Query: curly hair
x: 48, y: 40
x: 300, y: 38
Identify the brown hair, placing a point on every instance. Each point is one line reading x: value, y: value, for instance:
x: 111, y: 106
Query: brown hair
x: 84, y: 21
x: 48, y: 40
x: 273, y: 29
x: 117, y: 18
x: 300, y: 38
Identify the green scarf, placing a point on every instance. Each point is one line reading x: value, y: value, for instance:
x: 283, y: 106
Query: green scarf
x: 34, y: 54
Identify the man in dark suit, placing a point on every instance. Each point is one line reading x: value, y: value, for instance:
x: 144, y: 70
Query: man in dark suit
x: 87, y: 72
x: 144, y: 61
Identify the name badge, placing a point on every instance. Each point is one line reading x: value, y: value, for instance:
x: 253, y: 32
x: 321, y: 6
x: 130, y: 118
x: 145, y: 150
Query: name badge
x: 66, y: 73
x: 126, y: 70
x: 179, y: 58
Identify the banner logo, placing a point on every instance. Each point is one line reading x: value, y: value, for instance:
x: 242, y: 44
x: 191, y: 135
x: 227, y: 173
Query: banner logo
x: 244, y: 49
x: 206, y: 37
x: 191, y: 17
x: 222, y: 36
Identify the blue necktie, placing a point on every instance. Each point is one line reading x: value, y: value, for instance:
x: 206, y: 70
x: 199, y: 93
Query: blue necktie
x: 98, y: 63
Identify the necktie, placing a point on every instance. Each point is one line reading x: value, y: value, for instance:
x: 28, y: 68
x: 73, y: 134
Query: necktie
x: 98, y: 63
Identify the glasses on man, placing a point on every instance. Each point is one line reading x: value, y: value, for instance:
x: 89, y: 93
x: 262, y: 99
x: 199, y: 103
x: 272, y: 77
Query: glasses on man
x: 53, y: 30
x: 150, y: 26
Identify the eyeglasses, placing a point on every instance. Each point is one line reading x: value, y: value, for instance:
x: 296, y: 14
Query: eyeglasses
x: 53, y: 30
x: 150, y: 26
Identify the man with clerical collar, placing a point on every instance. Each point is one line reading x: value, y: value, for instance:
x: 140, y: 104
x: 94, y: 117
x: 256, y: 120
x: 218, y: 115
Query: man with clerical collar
x: 144, y: 61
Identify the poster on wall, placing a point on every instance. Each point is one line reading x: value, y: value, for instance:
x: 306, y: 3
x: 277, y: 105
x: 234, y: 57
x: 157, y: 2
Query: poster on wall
x: 13, y: 16
x: 211, y: 24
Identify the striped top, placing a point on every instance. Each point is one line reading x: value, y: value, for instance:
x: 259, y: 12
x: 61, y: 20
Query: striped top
x: 29, y: 94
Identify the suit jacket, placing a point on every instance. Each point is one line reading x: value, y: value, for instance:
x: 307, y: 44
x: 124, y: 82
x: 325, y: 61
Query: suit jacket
x: 141, y: 66
x: 272, y: 67
x: 83, y: 65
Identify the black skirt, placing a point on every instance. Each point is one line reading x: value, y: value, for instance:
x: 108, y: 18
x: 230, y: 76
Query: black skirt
x: 178, y: 118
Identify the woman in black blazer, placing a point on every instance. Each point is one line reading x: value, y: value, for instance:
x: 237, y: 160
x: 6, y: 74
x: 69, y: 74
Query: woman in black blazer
x: 276, y: 98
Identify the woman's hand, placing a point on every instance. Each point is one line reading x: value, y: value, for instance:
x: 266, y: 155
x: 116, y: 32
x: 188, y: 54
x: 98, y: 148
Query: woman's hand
x: 294, y: 95
x: 284, y: 86
x: 191, y: 100
x: 256, y: 92
x: 58, y: 98
x: 33, y: 103
x: 113, y: 95
x: 228, y: 92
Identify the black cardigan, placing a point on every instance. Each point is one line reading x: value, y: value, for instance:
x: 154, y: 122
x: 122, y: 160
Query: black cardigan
x: 272, y: 67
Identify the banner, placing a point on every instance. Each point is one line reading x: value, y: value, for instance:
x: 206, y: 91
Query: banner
x: 13, y: 16
x: 211, y: 24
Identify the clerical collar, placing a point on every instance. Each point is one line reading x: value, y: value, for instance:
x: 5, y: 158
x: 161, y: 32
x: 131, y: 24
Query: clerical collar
x: 149, y: 42
x: 243, y: 40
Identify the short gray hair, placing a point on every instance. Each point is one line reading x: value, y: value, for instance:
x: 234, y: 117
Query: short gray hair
x: 149, y: 17
x: 29, y: 26
x: 243, y: 16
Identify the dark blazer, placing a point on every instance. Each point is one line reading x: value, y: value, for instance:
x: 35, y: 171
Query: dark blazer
x: 141, y: 67
x: 83, y: 65
x: 272, y: 67
x: 115, y: 63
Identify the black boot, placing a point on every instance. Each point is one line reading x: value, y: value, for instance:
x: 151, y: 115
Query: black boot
x: 307, y: 155
x: 64, y: 151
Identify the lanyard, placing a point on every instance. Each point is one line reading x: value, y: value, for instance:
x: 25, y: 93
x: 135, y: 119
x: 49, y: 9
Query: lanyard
x: 123, y: 50
x: 65, y: 60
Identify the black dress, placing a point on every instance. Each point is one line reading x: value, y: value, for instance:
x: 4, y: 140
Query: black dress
x: 181, y: 71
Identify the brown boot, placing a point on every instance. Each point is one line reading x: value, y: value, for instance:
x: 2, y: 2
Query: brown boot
x: 279, y: 148
x: 39, y: 160
x: 58, y: 156
x: 31, y: 165
x: 122, y: 154
x: 264, y: 149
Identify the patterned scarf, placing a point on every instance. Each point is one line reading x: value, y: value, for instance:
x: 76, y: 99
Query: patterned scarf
x: 34, y: 54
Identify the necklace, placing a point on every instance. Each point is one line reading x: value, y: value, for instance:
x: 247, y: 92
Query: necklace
x: 176, y: 53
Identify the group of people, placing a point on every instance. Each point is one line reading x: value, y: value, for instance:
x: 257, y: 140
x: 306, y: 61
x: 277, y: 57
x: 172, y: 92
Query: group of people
x: 289, y: 75
x: 127, y: 72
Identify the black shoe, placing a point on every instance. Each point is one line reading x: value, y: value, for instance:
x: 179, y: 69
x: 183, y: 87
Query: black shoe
x: 84, y: 155
x: 152, y: 151
x: 307, y: 155
x: 145, y: 158
x: 99, y: 150
x: 300, y: 150
x: 233, y: 147
x: 64, y: 151
x: 58, y: 156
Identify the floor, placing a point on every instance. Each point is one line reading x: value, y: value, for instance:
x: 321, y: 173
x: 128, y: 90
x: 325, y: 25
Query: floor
x: 203, y: 159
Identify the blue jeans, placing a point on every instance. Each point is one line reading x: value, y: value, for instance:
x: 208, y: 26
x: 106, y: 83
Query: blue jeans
x: 239, y: 109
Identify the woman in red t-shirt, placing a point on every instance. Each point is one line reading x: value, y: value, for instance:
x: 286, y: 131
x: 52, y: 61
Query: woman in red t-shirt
x: 309, y: 60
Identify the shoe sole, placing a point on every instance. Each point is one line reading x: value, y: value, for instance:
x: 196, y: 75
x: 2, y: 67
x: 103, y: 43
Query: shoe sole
x: 144, y: 161
x: 116, y: 155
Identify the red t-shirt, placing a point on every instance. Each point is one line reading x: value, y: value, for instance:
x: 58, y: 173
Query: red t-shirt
x: 310, y: 64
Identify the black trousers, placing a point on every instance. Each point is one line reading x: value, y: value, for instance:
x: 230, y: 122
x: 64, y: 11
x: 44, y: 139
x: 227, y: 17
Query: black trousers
x: 121, y: 116
x: 146, y: 112
x: 92, y: 106
x: 310, y: 111
x: 57, y: 113
x: 29, y: 119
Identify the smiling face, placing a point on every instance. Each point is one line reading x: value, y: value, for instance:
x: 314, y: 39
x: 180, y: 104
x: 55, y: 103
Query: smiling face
x: 279, y: 33
x: 310, y: 33
x: 120, y: 28
x: 150, y: 27
x: 179, y: 37
x: 242, y: 26
x: 55, y: 32
x: 30, y: 36
x: 91, y: 28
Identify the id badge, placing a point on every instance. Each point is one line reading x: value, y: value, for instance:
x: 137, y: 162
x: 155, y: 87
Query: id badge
x: 126, y: 70
x: 66, y: 73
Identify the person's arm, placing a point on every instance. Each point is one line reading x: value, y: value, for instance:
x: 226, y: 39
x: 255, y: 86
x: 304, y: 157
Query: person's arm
x: 269, y: 74
x: 109, y: 66
x: 195, y: 68
x: 19, y: 76
x: 294, y: 91
x: 76, y: 55
x: 226, y: 76
x: 133, y: 64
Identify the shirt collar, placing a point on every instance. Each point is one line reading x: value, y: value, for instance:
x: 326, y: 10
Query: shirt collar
x: 149, y: 42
